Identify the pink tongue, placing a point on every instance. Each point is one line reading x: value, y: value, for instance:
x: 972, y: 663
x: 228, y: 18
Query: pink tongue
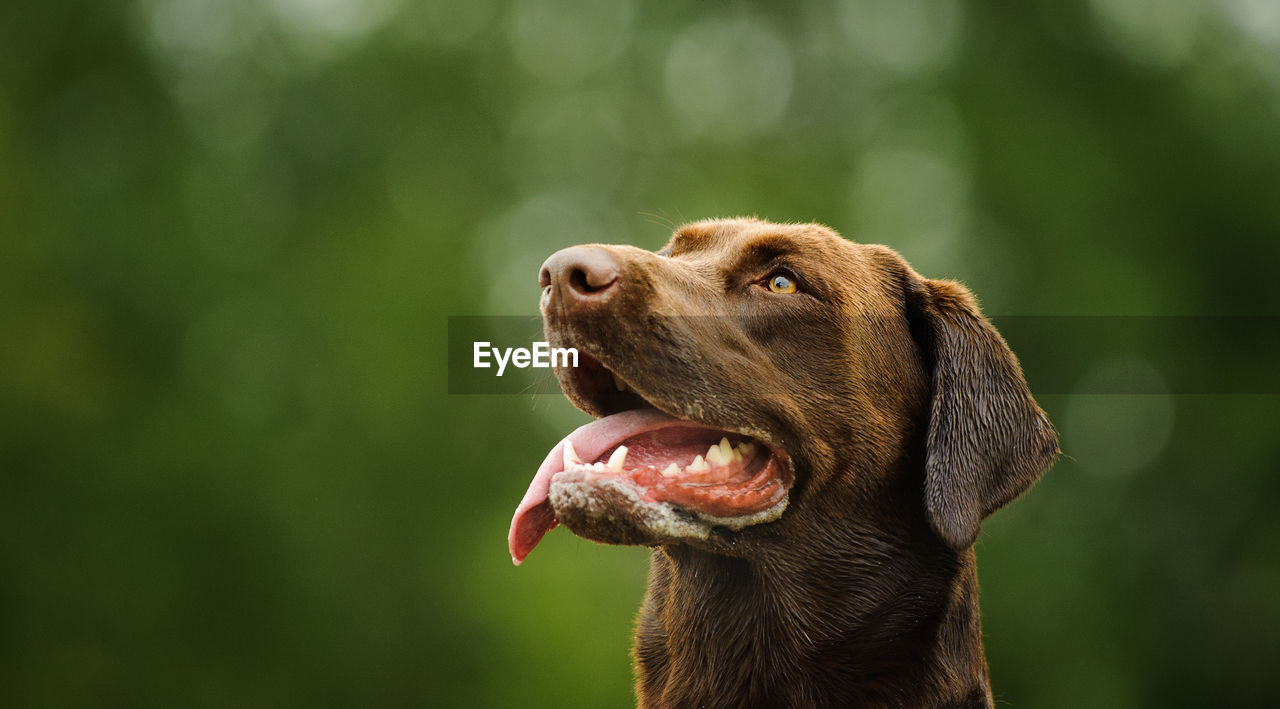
x: 534, y: 516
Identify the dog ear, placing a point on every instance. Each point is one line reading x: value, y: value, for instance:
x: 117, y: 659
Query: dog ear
x: 987, y: 439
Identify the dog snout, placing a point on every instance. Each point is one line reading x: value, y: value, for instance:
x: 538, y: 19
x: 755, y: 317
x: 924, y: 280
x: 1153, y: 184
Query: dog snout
x: 581, y: 276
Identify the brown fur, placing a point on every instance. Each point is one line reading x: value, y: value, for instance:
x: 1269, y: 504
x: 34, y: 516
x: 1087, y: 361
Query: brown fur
x: 907, y: 420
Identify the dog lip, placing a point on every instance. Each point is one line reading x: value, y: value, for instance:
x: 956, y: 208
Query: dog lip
x: 534, y: 516
x: 725, y: 491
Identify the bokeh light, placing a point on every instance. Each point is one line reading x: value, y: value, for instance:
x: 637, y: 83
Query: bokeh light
x: 728, y: 79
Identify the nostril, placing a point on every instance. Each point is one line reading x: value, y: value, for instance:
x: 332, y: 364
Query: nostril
x: 544, y: 277
x: 587, y: 280
x: 579, y: 281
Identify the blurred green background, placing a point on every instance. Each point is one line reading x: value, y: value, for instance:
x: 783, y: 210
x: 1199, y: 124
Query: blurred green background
x: 232, y: 232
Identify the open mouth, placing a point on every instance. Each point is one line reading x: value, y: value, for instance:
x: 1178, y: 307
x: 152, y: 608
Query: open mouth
x: 703, y: 475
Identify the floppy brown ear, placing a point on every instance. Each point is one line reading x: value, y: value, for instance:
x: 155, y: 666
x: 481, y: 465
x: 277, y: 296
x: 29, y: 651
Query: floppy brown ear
x: 987, y: 438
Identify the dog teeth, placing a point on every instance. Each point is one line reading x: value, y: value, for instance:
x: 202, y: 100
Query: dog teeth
x: 617, y: 381
x: 723, y: 454
x: 726, y: 451
x: 615, y: 460
x: 571, y: 458
x: 719, y: 454
x: 573, y: 462
x: 713, y: 455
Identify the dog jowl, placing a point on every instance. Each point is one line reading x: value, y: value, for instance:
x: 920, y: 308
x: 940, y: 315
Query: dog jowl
x: 808, y: 434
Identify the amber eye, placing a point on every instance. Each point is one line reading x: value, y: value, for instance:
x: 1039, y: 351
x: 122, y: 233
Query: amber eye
x: 779, y: 283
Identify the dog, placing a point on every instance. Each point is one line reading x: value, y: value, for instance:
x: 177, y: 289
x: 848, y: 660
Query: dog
x: 808, y: 434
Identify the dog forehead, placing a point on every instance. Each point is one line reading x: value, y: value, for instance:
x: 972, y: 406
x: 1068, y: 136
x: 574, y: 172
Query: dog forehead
x: 718, y: 238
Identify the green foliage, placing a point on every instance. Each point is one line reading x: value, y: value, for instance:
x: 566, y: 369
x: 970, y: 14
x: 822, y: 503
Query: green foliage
x: 231, y: 234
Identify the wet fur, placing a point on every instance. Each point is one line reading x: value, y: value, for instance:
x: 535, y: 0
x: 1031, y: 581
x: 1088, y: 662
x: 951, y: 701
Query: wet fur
x: 908, y: 421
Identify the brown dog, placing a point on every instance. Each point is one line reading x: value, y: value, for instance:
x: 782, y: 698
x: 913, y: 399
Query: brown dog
x: 809, y: 434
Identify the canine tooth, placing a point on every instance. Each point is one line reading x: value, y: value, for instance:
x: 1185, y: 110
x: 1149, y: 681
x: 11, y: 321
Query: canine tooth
x: 671, y: 470
x: 726, y: 451
x: 698, y: 465
x: 713, y: 455
x: 570, y: 455
x: 615, y: 460
x: 617, y: 381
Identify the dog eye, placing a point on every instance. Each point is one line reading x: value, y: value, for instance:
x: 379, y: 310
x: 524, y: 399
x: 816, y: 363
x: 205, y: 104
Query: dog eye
x: 780, y: 283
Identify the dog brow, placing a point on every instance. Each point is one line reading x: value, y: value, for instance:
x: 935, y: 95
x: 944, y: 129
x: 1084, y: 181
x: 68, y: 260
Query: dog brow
x: 769, y: 247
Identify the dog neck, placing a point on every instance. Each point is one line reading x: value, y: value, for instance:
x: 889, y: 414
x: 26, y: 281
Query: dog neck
x: 870, y: 627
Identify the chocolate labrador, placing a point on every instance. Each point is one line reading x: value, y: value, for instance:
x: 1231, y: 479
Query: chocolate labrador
x: 809, y: 434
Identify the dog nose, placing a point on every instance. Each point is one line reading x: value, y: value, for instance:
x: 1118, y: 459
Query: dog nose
x: 580, y: 275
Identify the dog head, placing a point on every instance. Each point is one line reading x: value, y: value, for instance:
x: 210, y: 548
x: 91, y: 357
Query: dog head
x: 749, y: 375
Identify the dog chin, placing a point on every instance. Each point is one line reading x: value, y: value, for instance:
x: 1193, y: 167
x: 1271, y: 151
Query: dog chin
x: 614, y: 511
